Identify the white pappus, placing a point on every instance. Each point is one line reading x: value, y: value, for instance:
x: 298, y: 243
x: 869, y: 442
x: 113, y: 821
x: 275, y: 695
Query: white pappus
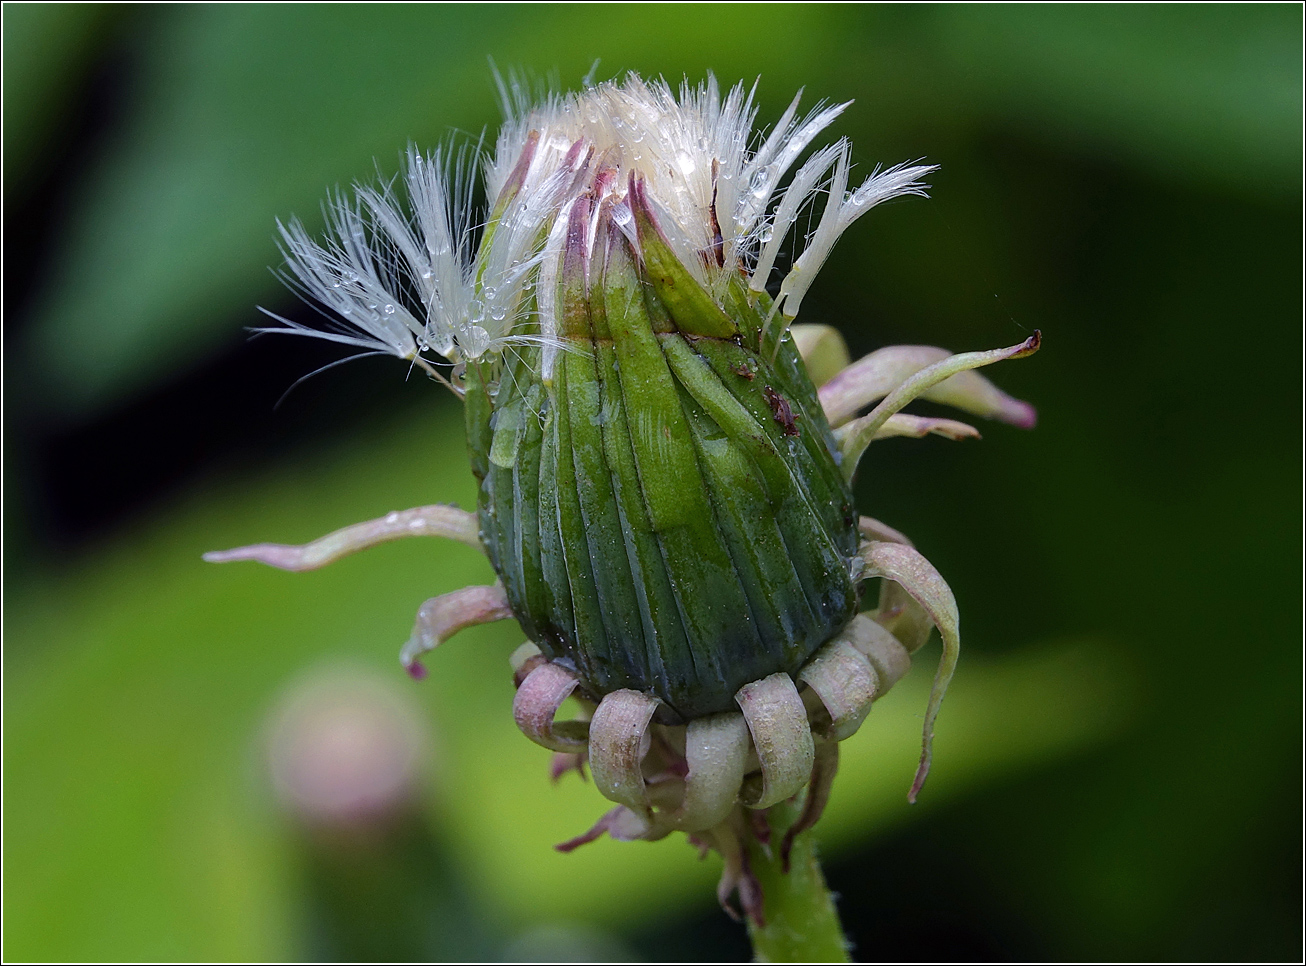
x: 401, y: 273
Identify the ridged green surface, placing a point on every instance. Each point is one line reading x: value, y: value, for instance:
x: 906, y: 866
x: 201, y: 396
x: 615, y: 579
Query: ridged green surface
x: 654, y: 520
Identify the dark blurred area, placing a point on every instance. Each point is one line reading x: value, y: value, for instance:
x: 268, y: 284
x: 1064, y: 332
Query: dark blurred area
x: 1127, y: 180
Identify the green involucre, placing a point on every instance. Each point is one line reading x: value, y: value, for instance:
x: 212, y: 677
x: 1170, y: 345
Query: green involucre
x: 665, y: 509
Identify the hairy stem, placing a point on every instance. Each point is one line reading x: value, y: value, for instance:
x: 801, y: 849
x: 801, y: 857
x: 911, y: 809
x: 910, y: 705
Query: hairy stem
x: 801, y: 925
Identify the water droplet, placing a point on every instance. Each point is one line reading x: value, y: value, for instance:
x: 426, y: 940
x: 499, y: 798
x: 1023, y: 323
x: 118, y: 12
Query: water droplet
x: 388, y: 309
x: 490, y: 292
x: 767, y: 233
x: 622, y: 215
x: 498, y: 311
x: 426, y: 273
x: 476, y: 340
x: 759, y: 183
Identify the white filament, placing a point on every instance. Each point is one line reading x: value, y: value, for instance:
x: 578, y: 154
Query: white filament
x: 402, y: 278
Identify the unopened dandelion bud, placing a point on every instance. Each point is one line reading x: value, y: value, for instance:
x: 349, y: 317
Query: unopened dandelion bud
x: 663, y: 499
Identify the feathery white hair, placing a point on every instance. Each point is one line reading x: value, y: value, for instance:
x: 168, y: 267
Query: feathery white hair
x: 399, y: 274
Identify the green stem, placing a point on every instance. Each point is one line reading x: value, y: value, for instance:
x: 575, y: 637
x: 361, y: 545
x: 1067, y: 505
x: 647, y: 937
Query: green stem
x: 802, y: 925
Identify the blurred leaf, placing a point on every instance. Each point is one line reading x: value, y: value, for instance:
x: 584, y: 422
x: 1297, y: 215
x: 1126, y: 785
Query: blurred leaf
x: 135, y: 691
x: 1194, y: 92
x: 46, y: 50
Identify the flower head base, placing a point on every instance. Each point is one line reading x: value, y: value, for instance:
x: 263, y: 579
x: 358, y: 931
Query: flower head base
x: 665, y: 493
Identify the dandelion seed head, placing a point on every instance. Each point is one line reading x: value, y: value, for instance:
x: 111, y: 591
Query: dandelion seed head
x: 401, y: 270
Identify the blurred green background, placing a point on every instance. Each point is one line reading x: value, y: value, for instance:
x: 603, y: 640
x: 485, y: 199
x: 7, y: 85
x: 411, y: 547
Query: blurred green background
x: 1118, y: 766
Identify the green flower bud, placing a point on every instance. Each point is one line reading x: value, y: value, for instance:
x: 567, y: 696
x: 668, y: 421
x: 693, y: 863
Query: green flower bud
x: 661, y: 493
x: 665, y: 495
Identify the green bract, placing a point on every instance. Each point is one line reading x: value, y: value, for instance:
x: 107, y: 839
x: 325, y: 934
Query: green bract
x: 663, y: 502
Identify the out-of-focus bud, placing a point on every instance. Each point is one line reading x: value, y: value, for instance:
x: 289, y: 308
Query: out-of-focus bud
x: 346, y: 749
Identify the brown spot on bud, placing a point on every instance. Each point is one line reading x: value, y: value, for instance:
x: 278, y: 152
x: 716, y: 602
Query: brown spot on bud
x: 780, y: 408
